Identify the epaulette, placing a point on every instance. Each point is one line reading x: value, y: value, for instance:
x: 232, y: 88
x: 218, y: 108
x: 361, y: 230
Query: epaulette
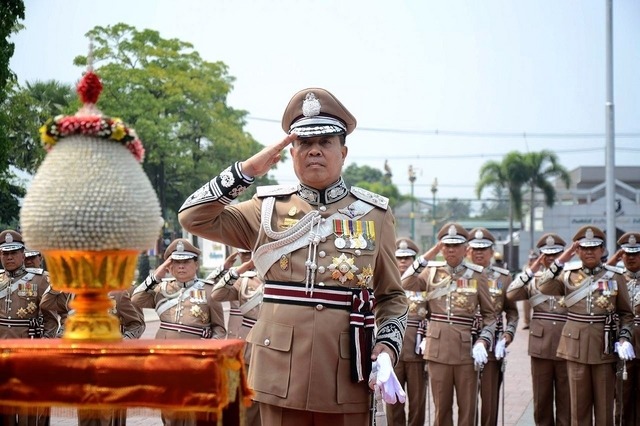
x: 501, y: 270
x: 370, y: 197
x: 38, y: 271
x: 573, y: 266
x: 436, y: 263
x: 615, y: 269
x: 275, y: 190
x: 249, y: 274
x: 473, y: 266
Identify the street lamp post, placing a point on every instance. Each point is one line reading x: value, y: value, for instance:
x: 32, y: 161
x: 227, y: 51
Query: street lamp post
x: 434, y: 189
x: 412, y: 215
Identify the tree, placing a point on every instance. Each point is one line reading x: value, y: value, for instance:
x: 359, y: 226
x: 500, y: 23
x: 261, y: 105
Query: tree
x: 510, y: 174
x: 540, y: 167
x: 10, y: 13
x: 496, y: 208
x: 176, y: 101
x: 372, y: 180
x: 453, y: 210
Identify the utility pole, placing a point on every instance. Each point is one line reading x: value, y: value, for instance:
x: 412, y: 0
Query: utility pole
x: 610, y: 165
x: 434, y: 189
x: 412, y: 216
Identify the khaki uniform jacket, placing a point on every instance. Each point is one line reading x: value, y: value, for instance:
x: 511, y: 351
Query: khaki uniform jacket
x: 20, y: 296
x: 583, y: 342
x: 544, y: 334
x: 498, y: 280
x: 301, y: 354
x: 247, y: 287
x: 190, y: 305
x: 450, y: 343
x: 417, y: 314
x: 131, y: 318
x: 633, y: 285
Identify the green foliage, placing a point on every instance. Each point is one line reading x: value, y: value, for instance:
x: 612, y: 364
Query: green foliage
x: 454, y: 210
x: 373, y: 180
x: 176, y: 101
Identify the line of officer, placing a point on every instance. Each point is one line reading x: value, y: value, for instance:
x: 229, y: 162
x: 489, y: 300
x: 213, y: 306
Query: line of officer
x: 628, y: 379
x: 595, y: 295
x: 545, y: 293
x: 411, y: 367
x: 21, y: 316
x: 498, y: 279
x: 456, y: 340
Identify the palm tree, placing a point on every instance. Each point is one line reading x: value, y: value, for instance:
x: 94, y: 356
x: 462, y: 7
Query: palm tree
x: 542, y: 166
x: 509, y: 174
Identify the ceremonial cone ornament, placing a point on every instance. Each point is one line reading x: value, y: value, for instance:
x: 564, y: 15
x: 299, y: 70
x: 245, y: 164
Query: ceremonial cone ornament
x: 90, y: 210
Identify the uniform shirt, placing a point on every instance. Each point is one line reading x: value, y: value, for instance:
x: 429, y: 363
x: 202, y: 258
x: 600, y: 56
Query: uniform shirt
x: 247, y: 291
x: 182, y: 304
x: 633, y: 285
x: 21, y: 292
x: 416, y: 327
x: 584, y: 341
x: 305, y: 239
x: 456, y: 294
x: 546, y: 295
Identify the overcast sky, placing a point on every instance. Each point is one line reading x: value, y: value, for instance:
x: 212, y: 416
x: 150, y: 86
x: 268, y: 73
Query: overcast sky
x: 441, y: 85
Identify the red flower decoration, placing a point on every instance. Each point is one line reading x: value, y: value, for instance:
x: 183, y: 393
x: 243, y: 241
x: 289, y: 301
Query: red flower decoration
x: 89, y: 88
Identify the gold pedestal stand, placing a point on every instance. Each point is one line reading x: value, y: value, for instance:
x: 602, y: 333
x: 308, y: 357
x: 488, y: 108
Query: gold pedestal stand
x: 90, y: 276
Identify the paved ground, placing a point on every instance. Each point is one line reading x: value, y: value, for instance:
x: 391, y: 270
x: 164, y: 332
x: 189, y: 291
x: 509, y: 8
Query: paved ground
x: 518, y: 402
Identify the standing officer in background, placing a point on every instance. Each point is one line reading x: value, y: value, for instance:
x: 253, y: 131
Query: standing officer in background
x: 244, y: 289
x: 21, y: 316
x: 628, y: 390
x: 595, y: 294
x: 545, y: 292
x: 498, y: 279
x: 325, y: 253
x: 457, y: 344
x: 411, y: 368
x: 182, y: 302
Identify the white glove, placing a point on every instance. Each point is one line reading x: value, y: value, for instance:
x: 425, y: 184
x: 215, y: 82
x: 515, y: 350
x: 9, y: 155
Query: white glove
x: 479, y: 353
x: 423, y: 346
x: 387, y: 381
x: 625, y: 350
x: 500, y: 351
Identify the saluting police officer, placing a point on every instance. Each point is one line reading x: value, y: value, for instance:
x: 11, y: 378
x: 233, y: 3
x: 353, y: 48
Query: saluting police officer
x: 545, y: 292
x: 498, y: 279
x: 595, y: 294
x: 628, y: 380
x: 21, y: 316
x: 410, y: 369
x: 457, y: 339
x: 326, y: 252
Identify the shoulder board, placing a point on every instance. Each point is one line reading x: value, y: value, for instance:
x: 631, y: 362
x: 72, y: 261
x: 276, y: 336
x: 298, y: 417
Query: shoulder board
x: 473, y: 266
x: 614, y: 269
x: 37, y: 271
x: 249, y: 274
x: 436, y: 263
x: 370, y: 197
x: 501, y: 270
x: 207, y: 282
x: 275, y: 190
x: 572, y: 266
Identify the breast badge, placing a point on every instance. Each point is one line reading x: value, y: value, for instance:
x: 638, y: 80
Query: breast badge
x: 365, y: 277
x: 197, y: 312
x: 343, y: 268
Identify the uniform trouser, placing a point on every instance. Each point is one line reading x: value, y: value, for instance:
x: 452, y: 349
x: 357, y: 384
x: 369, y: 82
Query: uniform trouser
x: 26, y: 417
x: 253, y: 415
x: 444, y: 378
x: 628, y: 404
x: 591, y: 387
x: 490, y: 392
x: 272, y: 415
x: 412, y: 375
x: 550, y: 384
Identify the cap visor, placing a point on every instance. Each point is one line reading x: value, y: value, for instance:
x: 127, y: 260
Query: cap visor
x: 480, y: 243
x: 405, y: 253
x: 590, y: 243
x: 11, y: 246
x: 182, y: 255
x: 635, y: 249
x: 453, y: 240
